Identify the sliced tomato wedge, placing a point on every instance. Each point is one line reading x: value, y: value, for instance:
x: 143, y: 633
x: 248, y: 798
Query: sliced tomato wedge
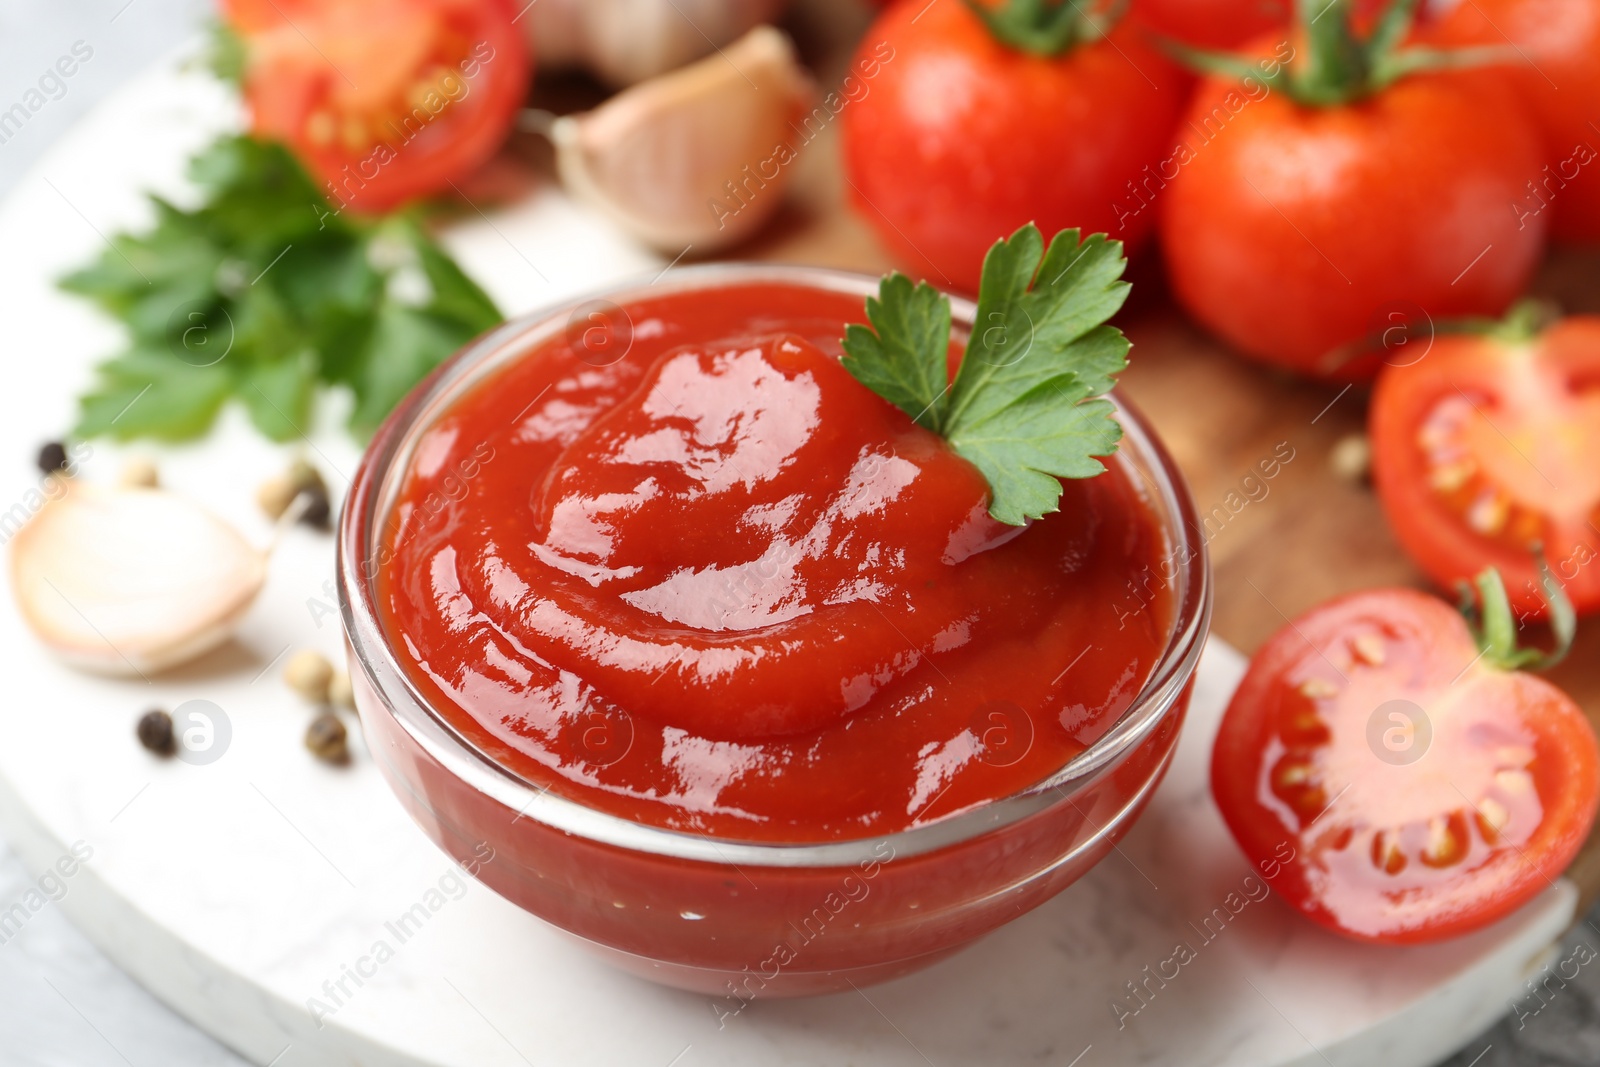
x: 1488, y: 447
x: 1392, y: 780
x: 386, y: 101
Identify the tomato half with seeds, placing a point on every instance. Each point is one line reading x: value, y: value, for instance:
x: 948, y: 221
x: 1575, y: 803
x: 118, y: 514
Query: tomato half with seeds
x: 1422, y: 789
x: 1488, y: 447
x: 386, y: 101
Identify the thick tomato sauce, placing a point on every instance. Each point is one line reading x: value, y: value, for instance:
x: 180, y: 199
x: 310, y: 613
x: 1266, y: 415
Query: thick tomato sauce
x: 719, y: 586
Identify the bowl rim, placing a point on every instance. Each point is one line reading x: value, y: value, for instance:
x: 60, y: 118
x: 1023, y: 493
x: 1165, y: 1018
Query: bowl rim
x: 399, y: 696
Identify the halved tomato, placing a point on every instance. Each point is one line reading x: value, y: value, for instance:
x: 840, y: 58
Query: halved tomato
x: 1489, y: 446
x: 1392, y: 780
x: 385, y: 100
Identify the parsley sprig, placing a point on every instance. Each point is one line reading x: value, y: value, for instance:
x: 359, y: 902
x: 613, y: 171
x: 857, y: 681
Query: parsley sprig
x: 263, y: 293
x: 1023, y: 406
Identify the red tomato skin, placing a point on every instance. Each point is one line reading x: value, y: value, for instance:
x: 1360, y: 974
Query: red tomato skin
x: 960, y: 139
x: 1291, y: 229
x: 1212, y: 23
x: 1561, y: 40
x: 283, y: 86
x: 1228, y: 24
x: 253, y: 16
x: 1438, y: 540
x: 1431, y: 644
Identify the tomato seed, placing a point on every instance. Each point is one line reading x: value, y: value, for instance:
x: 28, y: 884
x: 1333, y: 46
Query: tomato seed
x: 1386, y: 854
x: 1447, y: 840
x: 1369, y: 649
x: 1319, y: 689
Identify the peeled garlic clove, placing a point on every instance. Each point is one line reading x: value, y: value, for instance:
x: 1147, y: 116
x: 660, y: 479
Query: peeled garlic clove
x: 697, y: 157
x: 626, y: 41
x: 131, y: 580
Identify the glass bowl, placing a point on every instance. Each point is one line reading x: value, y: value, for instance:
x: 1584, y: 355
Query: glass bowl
x: 739, y: 919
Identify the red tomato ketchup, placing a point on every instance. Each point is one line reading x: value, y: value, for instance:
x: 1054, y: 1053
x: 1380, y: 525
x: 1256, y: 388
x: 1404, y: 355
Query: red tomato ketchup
x: 719, y: 586
x: 686, y: 642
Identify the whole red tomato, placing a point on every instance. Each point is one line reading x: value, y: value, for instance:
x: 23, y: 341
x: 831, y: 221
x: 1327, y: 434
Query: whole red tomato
x: 1392, y: 779
x: 1559, y: 80
x: 1212, y: 23
x: 1289, y: 230
x: 960, y: 139
x: 386, y: 101
x: 1489, y: 446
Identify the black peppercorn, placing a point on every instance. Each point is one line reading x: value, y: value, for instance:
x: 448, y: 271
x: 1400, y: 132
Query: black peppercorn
x: 53, y: 457
x: 318, y: 511
x: 309, y: 486
x: 155, y: 732
x: 327, y: 740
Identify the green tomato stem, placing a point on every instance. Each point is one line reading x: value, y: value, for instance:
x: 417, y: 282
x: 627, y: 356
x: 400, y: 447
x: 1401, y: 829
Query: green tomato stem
x: 1526, y: 320
x: 1336, y: 66
x: 1048, y: 28
x: 1494, y: 626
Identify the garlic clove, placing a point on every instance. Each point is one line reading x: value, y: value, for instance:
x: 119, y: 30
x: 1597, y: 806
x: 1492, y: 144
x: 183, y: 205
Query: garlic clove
x: 132, y: 580
x: 626, y: 41
x: 698, y: 157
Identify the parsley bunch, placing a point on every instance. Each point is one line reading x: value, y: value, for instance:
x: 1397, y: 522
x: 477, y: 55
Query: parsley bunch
x: 263, y: 293
x: 1023, y: 405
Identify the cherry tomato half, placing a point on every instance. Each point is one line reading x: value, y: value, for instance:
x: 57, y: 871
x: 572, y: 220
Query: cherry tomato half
x: 385, y: 100
x: 1394, y: 785
x: 1486, y: 447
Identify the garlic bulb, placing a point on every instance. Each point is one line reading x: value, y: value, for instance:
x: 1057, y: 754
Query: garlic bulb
x: 697, y: 157
x: 626, y: 41
x: 131, y: 580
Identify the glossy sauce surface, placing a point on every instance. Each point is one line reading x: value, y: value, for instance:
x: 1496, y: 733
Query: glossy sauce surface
x: 719, y: 586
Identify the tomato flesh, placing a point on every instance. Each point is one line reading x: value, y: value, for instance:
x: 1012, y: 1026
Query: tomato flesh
x: 385, y: 101
x: 1419, y: 792
x: 1485, y: 450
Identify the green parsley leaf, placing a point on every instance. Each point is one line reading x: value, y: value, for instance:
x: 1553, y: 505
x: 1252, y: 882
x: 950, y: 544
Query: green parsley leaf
x: 410, y: 340
x: 147, y: 393
x: 1023, y: 406
x: 911, y: 322
x: 224, y: 55
x: 263, y: 293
